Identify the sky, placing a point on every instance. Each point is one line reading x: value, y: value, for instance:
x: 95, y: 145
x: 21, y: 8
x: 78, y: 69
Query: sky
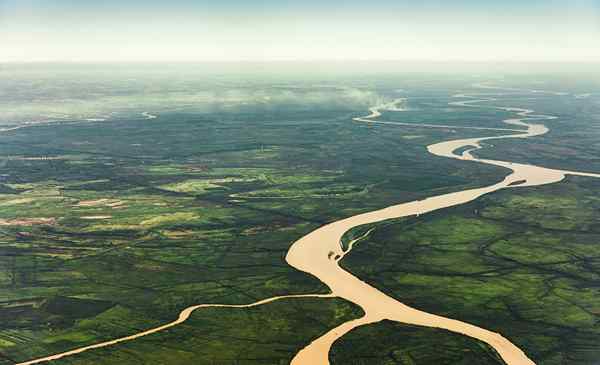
x: 307, y: 30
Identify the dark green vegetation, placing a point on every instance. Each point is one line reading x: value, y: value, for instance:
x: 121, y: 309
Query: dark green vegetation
x: 269, y: 334
x: 524, y: 262
x: 571, y: 144
x: 392, y: 343
x: 108, y: 228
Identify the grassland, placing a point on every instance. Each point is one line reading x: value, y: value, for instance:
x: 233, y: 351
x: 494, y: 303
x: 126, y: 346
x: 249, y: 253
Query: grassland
x: 130, y: 221
x: 107, y: 228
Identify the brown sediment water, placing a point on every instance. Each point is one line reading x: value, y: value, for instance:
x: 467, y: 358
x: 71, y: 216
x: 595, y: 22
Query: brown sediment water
x: 319, y: 252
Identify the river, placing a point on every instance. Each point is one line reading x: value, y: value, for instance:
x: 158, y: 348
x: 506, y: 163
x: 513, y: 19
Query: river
x: 319, y: 252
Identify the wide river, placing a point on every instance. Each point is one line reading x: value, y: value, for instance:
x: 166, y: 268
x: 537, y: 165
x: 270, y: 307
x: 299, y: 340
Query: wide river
x: 319, y: 252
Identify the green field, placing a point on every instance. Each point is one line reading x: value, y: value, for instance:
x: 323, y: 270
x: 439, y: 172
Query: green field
x: 111, y: 227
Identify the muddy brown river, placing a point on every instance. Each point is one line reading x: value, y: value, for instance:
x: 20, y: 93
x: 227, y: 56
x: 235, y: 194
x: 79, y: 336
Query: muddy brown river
x: 313, y: 252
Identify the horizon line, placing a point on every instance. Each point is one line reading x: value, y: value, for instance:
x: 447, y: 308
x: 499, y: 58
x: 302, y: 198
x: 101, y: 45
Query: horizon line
x: 289, y: 61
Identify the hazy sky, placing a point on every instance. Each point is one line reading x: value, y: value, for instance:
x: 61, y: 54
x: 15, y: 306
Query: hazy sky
x: 267, y: 30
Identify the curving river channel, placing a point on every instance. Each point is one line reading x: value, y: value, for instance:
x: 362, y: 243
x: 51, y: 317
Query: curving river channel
x: 319, y: 252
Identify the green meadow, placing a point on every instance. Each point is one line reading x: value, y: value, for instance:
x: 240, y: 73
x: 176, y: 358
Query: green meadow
x: 111, y: 227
